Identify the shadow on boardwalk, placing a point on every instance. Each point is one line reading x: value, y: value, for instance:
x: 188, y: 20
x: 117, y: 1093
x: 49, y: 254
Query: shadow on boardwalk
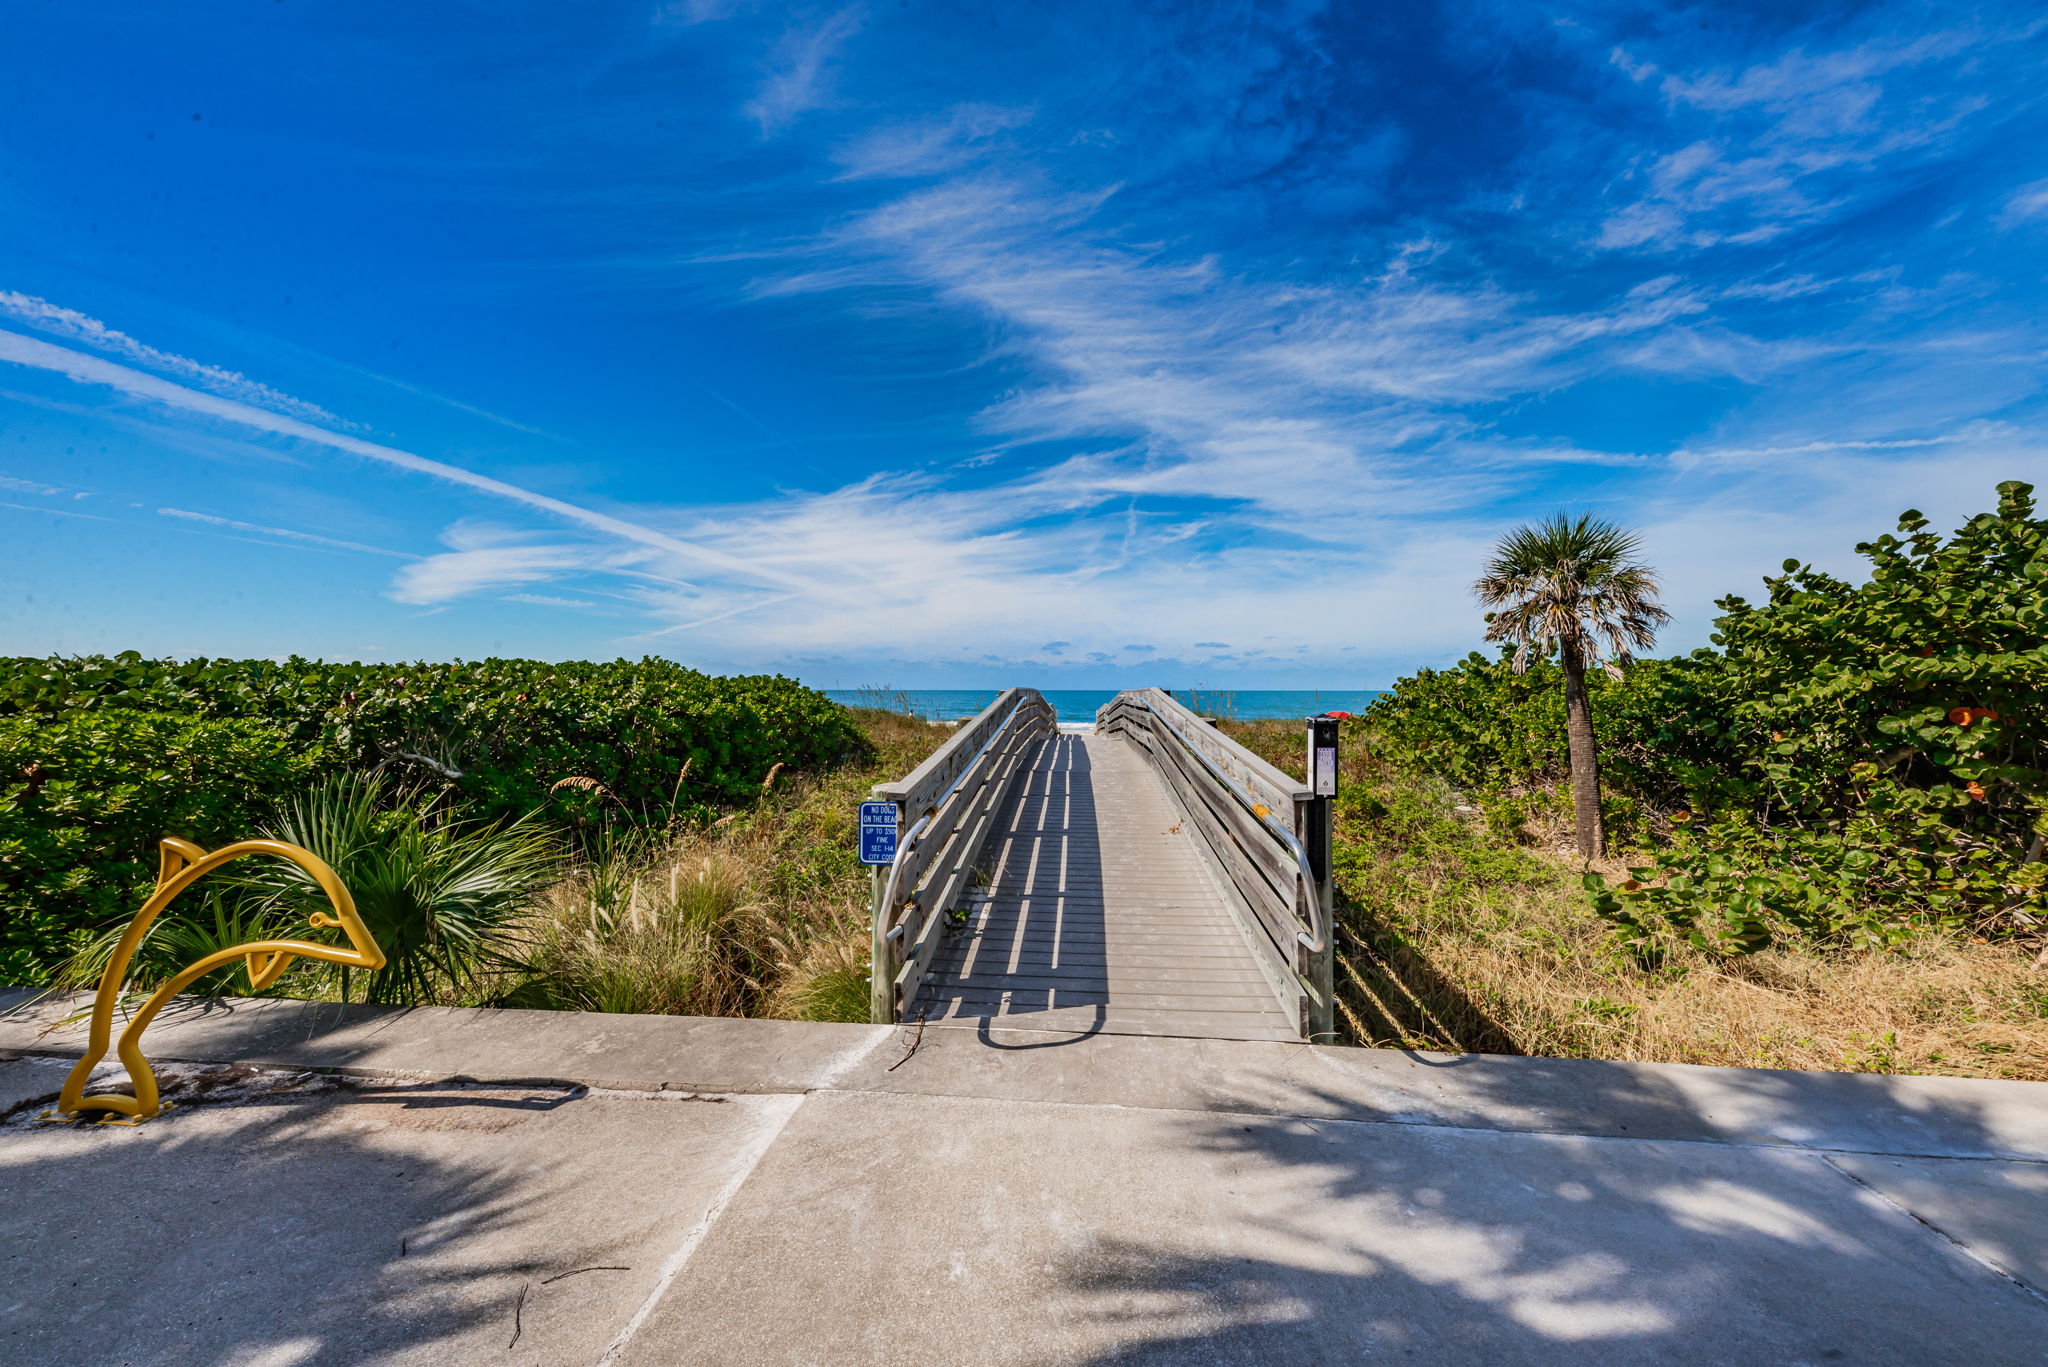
x: 1037, y: 943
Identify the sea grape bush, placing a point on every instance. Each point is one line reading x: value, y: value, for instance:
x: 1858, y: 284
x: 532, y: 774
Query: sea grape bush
x: 510, y: 728
x: 1499, y: 737
x: 1862, y: 761
x: 87, y: 797
x: 1851, y: 762
x: 85, y: 791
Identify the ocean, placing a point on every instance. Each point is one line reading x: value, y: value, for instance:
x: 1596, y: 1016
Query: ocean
x: 1079, y: 704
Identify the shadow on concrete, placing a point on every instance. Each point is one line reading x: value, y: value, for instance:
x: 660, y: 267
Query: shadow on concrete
x: 1362, y: 1242
x: 277, y: 1230
x: 427, y: 1096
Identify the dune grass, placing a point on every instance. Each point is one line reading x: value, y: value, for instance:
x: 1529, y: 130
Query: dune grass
x: 1455, y: 937
x: 762, y: 913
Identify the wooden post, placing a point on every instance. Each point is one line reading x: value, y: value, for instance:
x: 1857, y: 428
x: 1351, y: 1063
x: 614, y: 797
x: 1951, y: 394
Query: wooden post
x: 881, y: 1009
x: 883, y: 953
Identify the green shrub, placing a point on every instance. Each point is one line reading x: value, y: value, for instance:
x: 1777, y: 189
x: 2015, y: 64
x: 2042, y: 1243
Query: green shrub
x: 101, y: 756
x: 1862, y: 761
x: 1499, y: 736
x: 84, y: 799
x: 502, y: 733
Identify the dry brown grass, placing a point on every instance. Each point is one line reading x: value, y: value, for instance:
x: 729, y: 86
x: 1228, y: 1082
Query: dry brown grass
x: 762, y: 913
x: 1534, y: 973
x: 1455, y: 940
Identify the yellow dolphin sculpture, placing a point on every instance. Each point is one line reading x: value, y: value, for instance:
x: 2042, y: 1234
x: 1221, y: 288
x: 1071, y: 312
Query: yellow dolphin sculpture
x: 183, y: 864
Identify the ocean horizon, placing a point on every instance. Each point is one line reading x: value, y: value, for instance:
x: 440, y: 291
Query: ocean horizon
x: 1080, y: 704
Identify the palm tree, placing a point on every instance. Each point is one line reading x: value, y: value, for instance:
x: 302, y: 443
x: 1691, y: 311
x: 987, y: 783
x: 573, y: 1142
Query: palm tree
x: 1573, y: 585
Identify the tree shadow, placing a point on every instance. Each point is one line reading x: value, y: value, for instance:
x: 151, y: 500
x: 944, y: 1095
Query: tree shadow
x: 313, y: 1222
x: 1332, y: 1241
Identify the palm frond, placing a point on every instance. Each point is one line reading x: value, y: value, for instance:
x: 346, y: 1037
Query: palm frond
x: 439, y: 897
x: 1572, y: 584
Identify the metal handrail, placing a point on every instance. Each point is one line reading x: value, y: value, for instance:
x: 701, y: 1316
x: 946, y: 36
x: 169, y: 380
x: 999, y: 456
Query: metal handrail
x: 1317, y: 937
x: 910, y: 837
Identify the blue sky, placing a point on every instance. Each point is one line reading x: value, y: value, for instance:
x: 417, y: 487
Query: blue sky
x: 965, y: 345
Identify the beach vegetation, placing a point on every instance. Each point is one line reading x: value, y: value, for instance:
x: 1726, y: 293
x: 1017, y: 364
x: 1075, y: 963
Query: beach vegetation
x: 1580, y: 588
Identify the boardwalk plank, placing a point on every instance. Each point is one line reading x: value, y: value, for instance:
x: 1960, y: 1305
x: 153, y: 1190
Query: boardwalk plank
x: 1098, y: 914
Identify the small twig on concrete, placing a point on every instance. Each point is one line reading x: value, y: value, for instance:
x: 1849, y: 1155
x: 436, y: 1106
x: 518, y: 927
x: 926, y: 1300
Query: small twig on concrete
x: 916, y: 1039
x: 401, y: 1245
x: 559, y: 1275
x: 518, y: 1309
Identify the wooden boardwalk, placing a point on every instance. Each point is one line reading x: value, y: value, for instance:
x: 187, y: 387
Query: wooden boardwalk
x: 1100, y: 914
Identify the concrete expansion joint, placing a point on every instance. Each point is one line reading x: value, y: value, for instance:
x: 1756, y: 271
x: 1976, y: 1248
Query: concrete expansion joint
x: 1423, y: 1123
x: 782, y: 1110
x: 1951, y: 1240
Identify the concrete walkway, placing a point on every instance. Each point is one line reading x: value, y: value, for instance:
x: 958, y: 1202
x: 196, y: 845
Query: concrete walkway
x: 748, y: 1192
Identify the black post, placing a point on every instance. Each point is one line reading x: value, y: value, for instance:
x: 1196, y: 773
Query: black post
x: 1322, y: 968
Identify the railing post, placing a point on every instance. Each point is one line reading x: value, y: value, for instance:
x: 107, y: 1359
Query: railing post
x: 1320, y: 823
x: 882, y: 963
x: 879, y: 977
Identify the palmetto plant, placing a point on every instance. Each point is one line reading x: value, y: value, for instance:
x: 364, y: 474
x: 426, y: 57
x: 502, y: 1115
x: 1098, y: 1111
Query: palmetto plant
x: 439, y: 893
x: 1576, y: 586
x: 224, y: 918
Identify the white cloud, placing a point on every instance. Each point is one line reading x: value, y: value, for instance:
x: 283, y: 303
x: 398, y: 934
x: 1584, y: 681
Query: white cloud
x: 1765, y: 148
x: 285, y: 532
x: 55, y: 512
x: 801, y: 77
x: 551, y: 601
x: 688, y: 13
x: 47, y: 317
x: 929, y: 146
x: 483, y: 557
x: 2028, y: 203
x: 1318, y: 408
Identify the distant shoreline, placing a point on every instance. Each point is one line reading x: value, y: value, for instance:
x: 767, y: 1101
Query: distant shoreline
x: 1080, y: 704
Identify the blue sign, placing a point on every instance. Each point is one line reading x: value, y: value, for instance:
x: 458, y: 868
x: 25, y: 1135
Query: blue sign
x: 877, y: 832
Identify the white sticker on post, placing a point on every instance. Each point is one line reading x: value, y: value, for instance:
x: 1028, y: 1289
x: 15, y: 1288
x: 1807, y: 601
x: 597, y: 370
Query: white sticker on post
x: 1326, y: 771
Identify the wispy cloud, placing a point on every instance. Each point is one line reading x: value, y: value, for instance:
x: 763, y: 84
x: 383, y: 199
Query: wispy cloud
x: 29, y: 486
x: 687, y: 13
x: 85, y: 369
x: 551, y: 601
x: 54, y: 512
x: 69, y: 323
x: 929, y: 146
x: 285, y: 533
x: 1303, y: 405
x: 1769, y: 146
x: 484, y: 557
x: 801, y: 68
x: 2027, y: 204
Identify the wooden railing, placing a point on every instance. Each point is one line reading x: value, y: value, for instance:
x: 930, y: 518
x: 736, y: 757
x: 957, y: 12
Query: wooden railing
x: 944, y: 812
x: 1264, y: 833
